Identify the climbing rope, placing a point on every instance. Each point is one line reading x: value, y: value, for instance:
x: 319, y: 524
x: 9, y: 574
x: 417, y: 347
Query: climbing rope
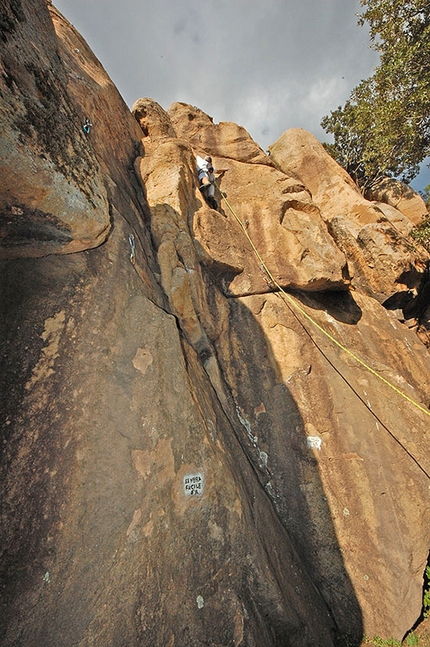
x: 291, y: 302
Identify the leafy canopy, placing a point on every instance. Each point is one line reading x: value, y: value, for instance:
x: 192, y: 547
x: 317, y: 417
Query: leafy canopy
x: 384, y: 127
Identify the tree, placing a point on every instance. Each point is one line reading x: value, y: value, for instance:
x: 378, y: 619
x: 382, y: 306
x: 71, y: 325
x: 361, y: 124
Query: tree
x: 384, y: 127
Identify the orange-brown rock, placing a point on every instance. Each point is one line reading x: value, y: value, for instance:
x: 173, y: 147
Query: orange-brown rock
x: 225, y: 139
x: 187, y: 458
x: 233, y: 263
x: 300, y: 154
x: 276, y: 210
x: 52, y: 196
x: 380, y: 268
x: 127, y: 497
x: 153, y: 120
x: 401, y: 196
x: 282, y: 221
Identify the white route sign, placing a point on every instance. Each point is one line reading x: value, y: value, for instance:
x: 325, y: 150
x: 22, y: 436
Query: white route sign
x: 193, y: 484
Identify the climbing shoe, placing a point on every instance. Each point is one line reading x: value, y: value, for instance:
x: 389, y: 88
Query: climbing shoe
x: 212, y: 202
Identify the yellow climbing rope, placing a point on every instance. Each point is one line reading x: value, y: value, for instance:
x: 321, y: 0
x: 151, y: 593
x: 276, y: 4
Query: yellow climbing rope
x: 295, y: 305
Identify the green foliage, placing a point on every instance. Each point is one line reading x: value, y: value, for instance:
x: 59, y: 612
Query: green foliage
x: 426, y: 597
x: 384, y: 127
x: 421, y: 234
x: 380, y: 642
x: 411, y: 640
x: 426, y: 196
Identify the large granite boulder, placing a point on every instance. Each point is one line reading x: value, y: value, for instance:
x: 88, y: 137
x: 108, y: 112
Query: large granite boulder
x: 225, y: 139
x: 401, y: 196
x: 262, y: 352
x: 187, y: 457
x: 390, y: 262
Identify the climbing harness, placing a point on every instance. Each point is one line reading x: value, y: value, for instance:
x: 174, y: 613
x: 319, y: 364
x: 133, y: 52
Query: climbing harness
x: 87, y: 126
x: 294, y: 305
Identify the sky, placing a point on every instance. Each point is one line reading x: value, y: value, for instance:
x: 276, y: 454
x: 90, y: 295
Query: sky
x: 268, y: 65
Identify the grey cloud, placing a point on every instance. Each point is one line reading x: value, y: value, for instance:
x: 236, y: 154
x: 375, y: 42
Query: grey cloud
x: 268, y: 65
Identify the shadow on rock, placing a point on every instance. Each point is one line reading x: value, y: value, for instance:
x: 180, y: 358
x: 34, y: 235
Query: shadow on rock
x: 338, y: 304
x: 273, y: 435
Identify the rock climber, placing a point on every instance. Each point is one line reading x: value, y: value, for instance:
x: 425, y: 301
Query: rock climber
x: 206, y: 175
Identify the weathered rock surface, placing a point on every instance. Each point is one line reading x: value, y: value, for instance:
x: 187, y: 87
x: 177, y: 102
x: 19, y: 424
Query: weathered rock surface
x: 367, y: 232
x: 264, y: 400
x: 187, y: 459
x: 278, y: 211
x: 399, y: 195
x: 152, y: 119
x: 52, y: 198
x: 225, y: 139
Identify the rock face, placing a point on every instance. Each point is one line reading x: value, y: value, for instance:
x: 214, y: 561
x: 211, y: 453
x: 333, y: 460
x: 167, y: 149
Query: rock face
x: 371, y: 234
x: 187, y: 458
x: 52, y: 197
x: 225, y: 139
x: 399, y: 195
